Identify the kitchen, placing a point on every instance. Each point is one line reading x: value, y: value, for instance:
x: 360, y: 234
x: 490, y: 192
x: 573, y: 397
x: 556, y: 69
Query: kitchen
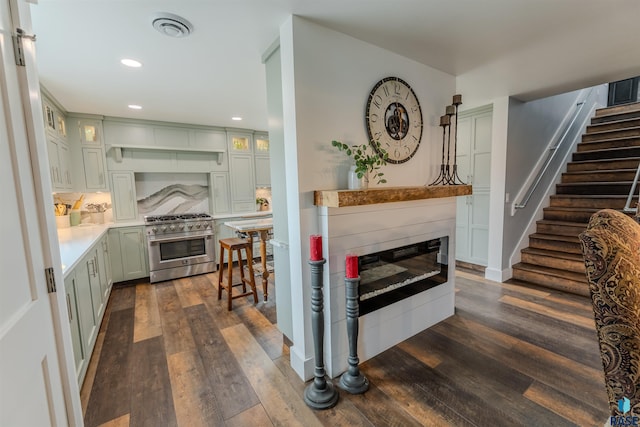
x: 146, y: 179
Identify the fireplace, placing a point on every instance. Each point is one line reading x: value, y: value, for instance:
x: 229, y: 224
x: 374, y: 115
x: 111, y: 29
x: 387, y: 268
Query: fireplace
x: 393, y: 236
x: 392, y: 275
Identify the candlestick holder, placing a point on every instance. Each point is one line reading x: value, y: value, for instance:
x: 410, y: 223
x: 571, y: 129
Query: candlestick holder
x: 442, y: 178
x: 352, y: 380
x: 455, y: 179
x: 320, y: 394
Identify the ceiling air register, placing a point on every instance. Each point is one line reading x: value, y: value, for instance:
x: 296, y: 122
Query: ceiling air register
x: 172, y: 25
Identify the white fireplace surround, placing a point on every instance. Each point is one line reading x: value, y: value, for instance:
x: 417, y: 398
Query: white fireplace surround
x: 362, y: 230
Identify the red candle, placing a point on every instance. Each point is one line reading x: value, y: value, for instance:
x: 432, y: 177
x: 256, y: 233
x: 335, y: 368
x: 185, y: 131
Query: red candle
x: 315, y: 242
x: 352, y: 266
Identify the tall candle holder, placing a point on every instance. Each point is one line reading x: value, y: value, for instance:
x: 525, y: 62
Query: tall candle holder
x: 320, y: 394
x: 352, y: 380
x: 455, y: 179
x: 445, y: 121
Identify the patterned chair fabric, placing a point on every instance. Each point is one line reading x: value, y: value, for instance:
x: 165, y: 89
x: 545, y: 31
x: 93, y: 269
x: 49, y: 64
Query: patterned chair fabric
x: 611, y: 249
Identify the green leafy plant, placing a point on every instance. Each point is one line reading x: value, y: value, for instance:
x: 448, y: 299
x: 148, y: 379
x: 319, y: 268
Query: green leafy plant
x: 261, y: 201
x: 367, y: 160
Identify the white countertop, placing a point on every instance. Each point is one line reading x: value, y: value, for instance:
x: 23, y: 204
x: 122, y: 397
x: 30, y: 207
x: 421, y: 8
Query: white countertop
x: 251, y: 224
x: 76, y: 241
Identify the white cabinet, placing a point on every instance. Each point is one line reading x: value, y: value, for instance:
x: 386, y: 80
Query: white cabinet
x: 123, y: 196
x: 59, y: 164
x: 79, y: 355
x: 104, y: 267
x: 129, y: 256
x: 88, y: 289
x: 90, y: 132
x: 93, y: 162
x: 241, y: 172
x: 262, y: 162
x: 221, y: 201
x: 474, y: 167
x: 243, y: 188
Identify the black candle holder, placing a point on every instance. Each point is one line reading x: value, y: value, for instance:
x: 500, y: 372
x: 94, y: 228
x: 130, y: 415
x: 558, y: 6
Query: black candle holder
x: 320, y: 394
x: 455, y: 179
x: 442, y: 177
x: 352, y: 380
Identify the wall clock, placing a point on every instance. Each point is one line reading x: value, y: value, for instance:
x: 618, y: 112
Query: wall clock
x: 394, y: 119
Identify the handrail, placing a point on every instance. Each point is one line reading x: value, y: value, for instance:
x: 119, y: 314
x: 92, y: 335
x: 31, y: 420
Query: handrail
x: 551, y: 156
x: 627, y: 207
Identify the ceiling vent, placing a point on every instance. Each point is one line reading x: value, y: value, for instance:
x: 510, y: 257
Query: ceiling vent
x: 172, y: 25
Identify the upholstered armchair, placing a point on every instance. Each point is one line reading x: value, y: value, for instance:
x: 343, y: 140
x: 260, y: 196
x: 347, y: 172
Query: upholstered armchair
x: 611, y: 249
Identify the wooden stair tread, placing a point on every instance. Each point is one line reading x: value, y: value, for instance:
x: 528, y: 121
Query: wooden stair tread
x: 621, y: 122
x: 554, y: 254
x: 602, y: 171
x: 554, y: 272
x: 618, y: 109
x: 558, y: 237
x: 563, y: 223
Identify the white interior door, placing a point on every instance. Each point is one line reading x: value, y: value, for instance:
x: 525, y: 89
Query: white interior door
x: 31, y: 379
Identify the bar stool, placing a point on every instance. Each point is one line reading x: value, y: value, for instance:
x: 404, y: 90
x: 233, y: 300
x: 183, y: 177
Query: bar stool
x: 236, y: 244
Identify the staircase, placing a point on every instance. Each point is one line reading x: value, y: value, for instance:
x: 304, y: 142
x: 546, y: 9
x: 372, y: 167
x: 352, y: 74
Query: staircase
x: 599, y: 176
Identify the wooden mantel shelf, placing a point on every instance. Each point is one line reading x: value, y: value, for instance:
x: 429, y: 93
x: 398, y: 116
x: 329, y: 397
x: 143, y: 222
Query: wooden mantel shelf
x: 343, y: 198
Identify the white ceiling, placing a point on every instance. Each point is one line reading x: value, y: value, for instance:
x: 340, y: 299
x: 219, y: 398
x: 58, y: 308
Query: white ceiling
x: 522, y: 48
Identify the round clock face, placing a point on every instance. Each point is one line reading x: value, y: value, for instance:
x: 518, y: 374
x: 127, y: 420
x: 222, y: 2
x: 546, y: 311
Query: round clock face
x: 394, y: 119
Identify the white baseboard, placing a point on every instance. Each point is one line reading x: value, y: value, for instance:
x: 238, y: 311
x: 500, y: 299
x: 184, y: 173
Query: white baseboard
x: 304, y: 367
x: 498, y: 275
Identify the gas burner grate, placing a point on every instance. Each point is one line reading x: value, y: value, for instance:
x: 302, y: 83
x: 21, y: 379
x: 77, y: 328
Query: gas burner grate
x: 151, y: 219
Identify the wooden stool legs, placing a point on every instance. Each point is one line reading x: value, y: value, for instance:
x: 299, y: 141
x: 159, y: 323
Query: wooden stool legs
x: 237, y: 245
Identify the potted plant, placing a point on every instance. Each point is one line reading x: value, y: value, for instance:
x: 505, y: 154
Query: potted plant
x: 366, y: 162
x: 96, y: 212
x: 262, y: 204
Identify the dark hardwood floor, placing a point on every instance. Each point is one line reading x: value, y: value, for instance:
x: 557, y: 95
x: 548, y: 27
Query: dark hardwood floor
x: 170, y: 354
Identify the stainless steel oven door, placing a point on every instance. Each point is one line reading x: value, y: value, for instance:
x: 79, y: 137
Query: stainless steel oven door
x: 180, y: 251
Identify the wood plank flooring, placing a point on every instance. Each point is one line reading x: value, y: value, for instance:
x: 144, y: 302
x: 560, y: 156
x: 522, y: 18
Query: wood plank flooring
x: 170, y: 354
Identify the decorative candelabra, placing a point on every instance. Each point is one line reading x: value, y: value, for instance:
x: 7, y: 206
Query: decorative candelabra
x: 445, y: 122
x: 320, y: 394
x: 352, y: 380
x: 455, y: 179
x: 449, y: 173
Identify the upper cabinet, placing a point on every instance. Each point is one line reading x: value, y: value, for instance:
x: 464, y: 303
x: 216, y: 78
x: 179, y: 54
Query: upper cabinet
x: 57, y: 147
x: 262, y: 160
x: 89, y: 163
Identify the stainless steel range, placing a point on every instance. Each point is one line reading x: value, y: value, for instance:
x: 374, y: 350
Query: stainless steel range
x: 180, y: 245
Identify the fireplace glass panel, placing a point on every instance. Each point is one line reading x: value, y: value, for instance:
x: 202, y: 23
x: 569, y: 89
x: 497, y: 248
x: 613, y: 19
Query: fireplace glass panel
x: 395, y: 274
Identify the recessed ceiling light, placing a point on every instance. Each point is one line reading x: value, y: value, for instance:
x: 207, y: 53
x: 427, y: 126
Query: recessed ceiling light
x: 236, y: 118
x: 135, y: 107
x: 131, y: 63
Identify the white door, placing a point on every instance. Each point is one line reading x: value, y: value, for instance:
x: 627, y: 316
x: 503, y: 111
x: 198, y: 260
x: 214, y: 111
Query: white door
x: 474, y: 166
x: 34, y: 379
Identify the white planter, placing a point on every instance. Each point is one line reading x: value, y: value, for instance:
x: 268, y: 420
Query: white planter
x: 97, y: 217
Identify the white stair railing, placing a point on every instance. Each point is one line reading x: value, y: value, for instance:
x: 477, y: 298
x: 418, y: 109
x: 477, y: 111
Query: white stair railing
x: 551, y: 155
x: 627, y: 207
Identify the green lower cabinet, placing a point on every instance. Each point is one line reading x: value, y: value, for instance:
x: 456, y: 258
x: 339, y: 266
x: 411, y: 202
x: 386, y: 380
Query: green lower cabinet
x: 129, y: 256
x: 74, y: 322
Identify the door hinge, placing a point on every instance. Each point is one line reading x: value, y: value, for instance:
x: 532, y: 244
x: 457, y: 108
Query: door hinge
x: 51, y: 280
x: 18, y: 50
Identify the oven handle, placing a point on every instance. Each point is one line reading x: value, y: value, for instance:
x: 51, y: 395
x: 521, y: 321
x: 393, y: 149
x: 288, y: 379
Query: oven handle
x: 178, y: 239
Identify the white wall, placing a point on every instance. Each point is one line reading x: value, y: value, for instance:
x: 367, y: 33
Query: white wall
x: 327, y: 77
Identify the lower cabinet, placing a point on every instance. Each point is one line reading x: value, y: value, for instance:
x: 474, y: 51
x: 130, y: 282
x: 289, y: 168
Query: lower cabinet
x: 87, y: 300
x: 129, y: 255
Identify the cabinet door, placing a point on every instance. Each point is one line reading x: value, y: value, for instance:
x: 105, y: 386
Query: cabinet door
x: 91, y: 260
x: 221, y: 199
x: 90, y: 132
x: 79, y: 355
x: 133, y: 251
x: 261, y: 146
x: 65, y: 170
x: 104, y: 267
x: 243, y: 189
x: 122, y: 196
x: 54, y: 164
x: 263, y: 173
x: 88, y: 328
x: 94, y: 170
